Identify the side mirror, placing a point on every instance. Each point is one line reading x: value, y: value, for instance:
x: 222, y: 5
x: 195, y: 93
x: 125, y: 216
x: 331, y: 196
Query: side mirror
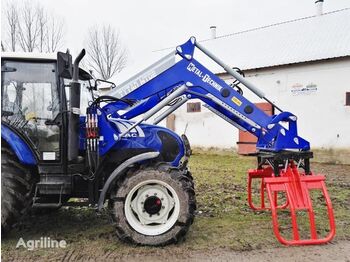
x: 64, y: 65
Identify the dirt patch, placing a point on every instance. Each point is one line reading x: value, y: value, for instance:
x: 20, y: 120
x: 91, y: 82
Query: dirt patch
x: 339, y: 251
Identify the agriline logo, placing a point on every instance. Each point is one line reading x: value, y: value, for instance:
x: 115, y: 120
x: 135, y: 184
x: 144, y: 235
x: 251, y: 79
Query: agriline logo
x: 43, y: 242
x: 205, y: 78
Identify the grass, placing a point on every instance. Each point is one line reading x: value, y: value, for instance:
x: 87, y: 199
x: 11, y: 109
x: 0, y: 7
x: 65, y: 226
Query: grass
x: 224, y: 219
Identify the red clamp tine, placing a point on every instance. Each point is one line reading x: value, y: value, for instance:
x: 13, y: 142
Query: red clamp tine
x: 261, y: 174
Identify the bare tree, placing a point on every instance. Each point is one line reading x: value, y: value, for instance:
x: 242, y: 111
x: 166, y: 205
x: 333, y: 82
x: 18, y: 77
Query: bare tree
x: 42, y: 24
x: 106, y: 54
x: 54, y: 34
x: 31, y: 28
x: 12, y: 23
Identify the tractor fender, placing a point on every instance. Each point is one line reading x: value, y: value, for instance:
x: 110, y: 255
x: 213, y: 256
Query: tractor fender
x: 119, y: 171
x: 18, y: 145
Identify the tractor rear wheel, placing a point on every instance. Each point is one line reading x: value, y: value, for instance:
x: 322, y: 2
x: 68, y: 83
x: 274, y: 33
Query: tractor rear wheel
x: 16, y: 189
x: 154, y: 205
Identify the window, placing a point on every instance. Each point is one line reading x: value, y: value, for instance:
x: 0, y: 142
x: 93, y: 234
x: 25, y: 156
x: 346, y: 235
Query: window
x: 193, y: 107
x: 85, y: 94
x: 29, y: 99
x: 347, y: 99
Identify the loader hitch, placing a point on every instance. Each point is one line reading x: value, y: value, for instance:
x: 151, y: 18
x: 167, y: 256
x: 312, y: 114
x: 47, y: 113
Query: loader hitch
x: 279, y: 175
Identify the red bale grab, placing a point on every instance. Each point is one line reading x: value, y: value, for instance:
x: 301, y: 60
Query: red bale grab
x: 296, y: 187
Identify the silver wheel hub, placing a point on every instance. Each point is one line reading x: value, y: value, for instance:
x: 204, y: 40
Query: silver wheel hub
x: 152, y: 207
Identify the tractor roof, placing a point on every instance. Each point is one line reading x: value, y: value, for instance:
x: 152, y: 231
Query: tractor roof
x: 41, y: 56
x: 29, y: 55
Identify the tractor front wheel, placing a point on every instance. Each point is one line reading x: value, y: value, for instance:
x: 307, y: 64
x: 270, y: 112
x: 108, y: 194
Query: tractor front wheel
x: 154, y: 205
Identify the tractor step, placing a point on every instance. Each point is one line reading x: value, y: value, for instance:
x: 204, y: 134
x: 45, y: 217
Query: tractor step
x: 43, y: 183
x: 52, y: 184
x: 296, y: 188
x: 47, y: 205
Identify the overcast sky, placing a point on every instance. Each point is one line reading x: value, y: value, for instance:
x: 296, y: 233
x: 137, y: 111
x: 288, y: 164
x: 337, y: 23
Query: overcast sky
x: 149, y: 25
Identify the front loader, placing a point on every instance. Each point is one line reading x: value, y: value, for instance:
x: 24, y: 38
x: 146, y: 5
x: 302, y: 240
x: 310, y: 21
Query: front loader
x: 113, y: 149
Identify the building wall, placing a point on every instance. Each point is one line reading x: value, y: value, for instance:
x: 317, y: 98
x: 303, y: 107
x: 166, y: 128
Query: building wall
x: 315, y: 92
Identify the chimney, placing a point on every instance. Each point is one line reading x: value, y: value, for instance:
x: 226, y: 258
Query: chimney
x: 213, y: 31
x: 319, y: 7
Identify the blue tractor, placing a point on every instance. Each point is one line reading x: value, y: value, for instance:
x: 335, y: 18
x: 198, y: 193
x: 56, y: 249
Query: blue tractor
x: 60, y: 141
x: 52, y: 151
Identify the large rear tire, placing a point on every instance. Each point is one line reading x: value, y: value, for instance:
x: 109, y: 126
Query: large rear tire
x: 16, y: 189
x: 154, y: 205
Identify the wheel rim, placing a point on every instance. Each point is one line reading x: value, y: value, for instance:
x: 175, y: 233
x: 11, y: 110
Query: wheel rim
x: 152, y: 207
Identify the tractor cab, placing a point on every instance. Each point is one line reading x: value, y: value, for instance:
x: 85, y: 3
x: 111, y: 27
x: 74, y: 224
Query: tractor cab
x: 35, y: 100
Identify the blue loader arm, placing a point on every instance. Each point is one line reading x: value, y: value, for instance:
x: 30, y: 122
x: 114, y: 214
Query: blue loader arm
x: 169, y: 80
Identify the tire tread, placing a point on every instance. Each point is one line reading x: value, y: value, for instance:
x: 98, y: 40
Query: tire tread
x: 16, y: 189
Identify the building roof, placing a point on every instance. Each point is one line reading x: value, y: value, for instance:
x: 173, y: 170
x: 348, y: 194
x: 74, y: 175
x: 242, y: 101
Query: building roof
x: 301, y: 40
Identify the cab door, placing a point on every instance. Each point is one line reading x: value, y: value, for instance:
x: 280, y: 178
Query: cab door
x: 31, y: 104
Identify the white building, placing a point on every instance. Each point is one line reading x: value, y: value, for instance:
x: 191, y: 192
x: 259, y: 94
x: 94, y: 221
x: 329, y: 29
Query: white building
x: 302, y: 65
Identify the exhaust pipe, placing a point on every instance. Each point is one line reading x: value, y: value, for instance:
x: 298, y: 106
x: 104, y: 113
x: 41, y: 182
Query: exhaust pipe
x: 74, y: 110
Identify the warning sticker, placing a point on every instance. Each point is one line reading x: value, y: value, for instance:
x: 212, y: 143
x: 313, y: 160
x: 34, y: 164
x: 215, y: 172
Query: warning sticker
x: 236, y: 101
x: 49, y: 156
